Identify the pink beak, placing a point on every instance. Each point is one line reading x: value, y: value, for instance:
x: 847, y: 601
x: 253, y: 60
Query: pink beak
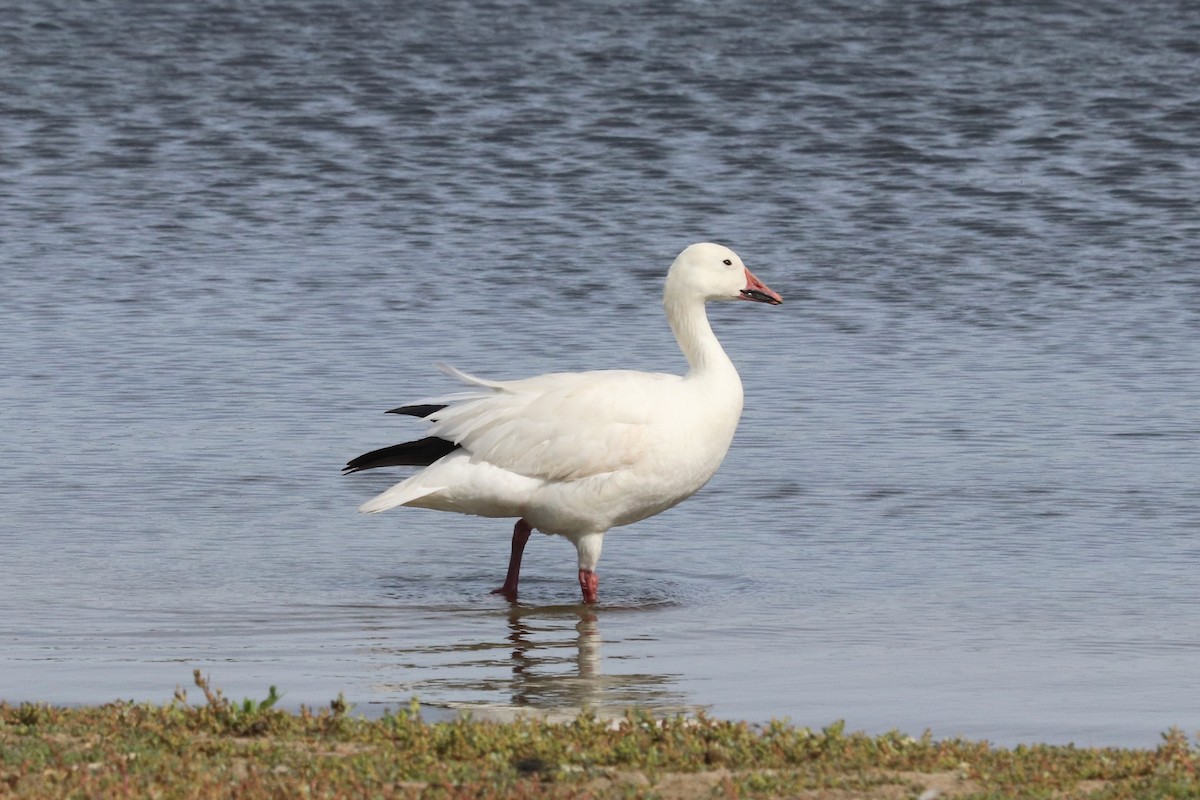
x: 759, y: 292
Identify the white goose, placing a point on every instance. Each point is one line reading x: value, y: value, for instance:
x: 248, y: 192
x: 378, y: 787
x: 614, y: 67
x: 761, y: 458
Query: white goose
x: 575, y: 454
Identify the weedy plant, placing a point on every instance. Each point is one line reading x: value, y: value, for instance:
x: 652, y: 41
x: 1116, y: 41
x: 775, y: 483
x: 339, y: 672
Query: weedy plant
x: 248, y: 717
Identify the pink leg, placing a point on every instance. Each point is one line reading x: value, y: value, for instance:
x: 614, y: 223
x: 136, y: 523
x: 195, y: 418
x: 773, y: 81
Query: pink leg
x: 589, y: 583
x: 521, y: 533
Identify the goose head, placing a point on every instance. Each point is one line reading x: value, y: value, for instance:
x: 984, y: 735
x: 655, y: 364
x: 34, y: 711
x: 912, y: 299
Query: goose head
x: 709, y: 271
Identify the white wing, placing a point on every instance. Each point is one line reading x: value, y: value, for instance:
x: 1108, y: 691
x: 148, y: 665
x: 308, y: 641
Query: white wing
x: 556, y: 427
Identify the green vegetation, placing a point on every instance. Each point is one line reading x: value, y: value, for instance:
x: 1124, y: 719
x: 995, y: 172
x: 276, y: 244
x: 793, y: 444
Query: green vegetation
x: 221, y: 748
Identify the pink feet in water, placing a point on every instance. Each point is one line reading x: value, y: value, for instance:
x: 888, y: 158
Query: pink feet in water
x: 521, y: 533
x: 589, y: 581
x: 589, y: 584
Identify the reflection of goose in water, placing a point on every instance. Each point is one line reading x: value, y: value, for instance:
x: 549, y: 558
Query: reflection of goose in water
x: 548, y: 665
x: 568, y: 676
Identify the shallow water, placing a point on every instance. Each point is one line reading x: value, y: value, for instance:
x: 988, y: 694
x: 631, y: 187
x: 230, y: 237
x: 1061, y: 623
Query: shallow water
x: 965, y: 491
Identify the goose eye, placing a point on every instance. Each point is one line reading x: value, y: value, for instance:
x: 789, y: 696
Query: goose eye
x: 727, y: 263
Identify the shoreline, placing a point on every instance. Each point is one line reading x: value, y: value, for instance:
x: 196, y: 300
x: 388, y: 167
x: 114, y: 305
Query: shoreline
x: 217, y: 747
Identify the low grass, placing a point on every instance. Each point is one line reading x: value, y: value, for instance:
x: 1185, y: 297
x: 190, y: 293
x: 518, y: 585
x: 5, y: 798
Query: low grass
x: 219, y: 748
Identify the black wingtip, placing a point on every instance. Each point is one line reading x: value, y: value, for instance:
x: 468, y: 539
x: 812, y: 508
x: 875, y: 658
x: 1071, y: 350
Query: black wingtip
x: 419, y: 410
x: 420, y: 453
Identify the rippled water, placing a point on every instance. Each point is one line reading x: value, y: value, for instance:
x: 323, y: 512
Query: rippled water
x: 965, y: 491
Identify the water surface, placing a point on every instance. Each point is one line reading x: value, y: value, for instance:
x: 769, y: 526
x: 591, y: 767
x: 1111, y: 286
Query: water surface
x: 965, y: 492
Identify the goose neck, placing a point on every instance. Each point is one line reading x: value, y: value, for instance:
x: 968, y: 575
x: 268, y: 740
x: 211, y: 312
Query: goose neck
x: 689, y: 323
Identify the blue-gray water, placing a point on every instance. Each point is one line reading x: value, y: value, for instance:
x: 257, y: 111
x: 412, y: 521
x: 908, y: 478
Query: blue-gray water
x: 965, y: 495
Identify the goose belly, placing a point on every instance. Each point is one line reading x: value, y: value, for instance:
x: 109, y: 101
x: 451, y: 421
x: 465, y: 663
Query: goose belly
x: 600, y: 502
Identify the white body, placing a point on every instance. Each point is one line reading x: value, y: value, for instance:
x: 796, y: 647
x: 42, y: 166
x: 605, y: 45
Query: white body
x: 575, y: 454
